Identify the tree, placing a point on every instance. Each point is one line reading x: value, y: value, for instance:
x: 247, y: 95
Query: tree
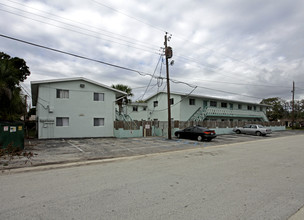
x: 13, y: 70
x: 125, y: 99
x: 277, y: 108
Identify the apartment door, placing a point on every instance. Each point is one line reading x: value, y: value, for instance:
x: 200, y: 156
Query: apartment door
x: 147, y: 129
x: 205, y: 104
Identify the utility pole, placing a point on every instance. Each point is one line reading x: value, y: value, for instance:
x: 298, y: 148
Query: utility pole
x: 293, y: 104
x: 168, y: 54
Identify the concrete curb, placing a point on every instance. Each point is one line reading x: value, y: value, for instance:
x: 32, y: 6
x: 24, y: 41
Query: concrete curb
x: 60, y: 165
x: 299, y: 215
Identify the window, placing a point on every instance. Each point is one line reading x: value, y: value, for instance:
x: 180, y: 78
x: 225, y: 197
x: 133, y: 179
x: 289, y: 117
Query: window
x: 98, y: 96
x: 261, y: 109
x: 155, y: 103
x: 62, y: 94
x: 135, y: 108
x: 239, y: 106
x: 172, y: 101
x: 62, y: 121
x: 224, y: 104
x: 98, y: 121
x: 145, y: 108
x: 231, y: 105
x: 213, y: 103
x: 191, y: 101
x: 254, y: 107
x: 249, y: 107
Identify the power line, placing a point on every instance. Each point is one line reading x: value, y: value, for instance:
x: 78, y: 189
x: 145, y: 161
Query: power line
x: 177, y: 102
x: 183, y: 39
x: 121, y: 67
x: 129, y: 16
x: 74, y: 55
x: 84, y: 24
x: 184, y: 57
x: 206, y: 66
x: 216, y: 52
x: 245, y: 84
x: 86, y: 34
x: 151, y: 77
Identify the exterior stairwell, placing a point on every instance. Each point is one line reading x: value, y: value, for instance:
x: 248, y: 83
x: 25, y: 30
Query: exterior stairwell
x: 126, y: 118
x: 201, y: 113
x: 198, y: 115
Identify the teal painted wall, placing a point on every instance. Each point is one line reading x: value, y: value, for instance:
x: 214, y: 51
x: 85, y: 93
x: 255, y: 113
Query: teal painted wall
x: 161, y: 111
x: 80, y: 108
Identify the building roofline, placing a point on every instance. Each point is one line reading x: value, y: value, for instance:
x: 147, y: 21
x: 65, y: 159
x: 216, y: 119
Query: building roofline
x: 34, y: 86
x: 207, y: 97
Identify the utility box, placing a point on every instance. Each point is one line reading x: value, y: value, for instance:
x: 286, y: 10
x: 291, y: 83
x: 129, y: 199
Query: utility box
x: 12, y: 133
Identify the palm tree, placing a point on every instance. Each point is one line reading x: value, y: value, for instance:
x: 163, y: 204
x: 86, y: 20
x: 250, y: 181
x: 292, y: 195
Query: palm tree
x: 125, y: 99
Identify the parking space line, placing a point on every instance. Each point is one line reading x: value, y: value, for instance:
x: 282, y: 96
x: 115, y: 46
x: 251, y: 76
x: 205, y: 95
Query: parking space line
x: 75, y: 146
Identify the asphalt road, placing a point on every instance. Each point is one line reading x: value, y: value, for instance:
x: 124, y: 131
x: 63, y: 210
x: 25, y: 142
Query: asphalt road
x: 260, y: 179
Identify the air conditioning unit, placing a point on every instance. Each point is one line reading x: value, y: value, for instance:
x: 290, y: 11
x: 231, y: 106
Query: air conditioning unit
x: 51, y: 109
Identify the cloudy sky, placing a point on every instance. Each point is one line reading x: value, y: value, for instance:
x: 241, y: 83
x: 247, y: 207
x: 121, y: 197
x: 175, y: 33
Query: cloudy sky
x: 235, y: 49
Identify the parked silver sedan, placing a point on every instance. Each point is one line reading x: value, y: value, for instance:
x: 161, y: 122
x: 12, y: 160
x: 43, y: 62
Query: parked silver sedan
x: 254, y: 129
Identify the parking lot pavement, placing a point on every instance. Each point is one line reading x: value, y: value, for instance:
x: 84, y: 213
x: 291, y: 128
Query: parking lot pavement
x: 73, y: 150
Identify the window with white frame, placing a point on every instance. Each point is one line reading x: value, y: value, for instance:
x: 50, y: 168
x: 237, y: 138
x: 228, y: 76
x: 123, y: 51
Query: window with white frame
x: 155, y: 103
x: 62, y: 94
x: 145, y: 108
x: 98, y: 122
x: 191, y: 101
x: 98, y: 96
x: 62, y: 121
x: 135, y: 108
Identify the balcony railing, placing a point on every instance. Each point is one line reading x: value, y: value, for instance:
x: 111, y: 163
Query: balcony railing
x: 201, y: 114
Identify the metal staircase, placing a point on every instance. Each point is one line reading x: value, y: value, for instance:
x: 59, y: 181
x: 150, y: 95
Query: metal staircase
x: 198, y: 115
x: 201, y: 113
x: 126, y: 118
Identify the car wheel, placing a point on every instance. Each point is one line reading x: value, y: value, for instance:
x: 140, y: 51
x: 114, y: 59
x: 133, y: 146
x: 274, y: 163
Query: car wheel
x: 258, y: 133
x: 199, y: 138
x: 238, y: 131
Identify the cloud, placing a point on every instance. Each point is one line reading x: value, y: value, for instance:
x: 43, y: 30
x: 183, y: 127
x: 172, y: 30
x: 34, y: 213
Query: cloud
x: 218, y: 44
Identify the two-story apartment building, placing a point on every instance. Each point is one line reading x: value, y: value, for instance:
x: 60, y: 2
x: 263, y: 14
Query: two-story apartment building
x: 74, y: 107
x: 196, y: 108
